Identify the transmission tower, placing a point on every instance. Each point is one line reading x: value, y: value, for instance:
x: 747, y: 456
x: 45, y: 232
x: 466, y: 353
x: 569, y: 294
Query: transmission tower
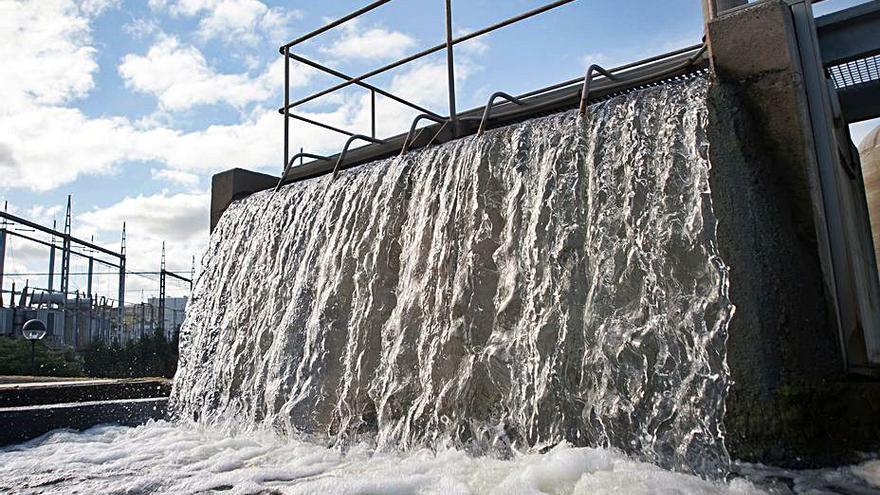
x: 162, y: 291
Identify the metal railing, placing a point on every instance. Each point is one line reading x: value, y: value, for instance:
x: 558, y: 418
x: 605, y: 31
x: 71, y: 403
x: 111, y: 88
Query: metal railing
x: 451, y: 41
x: 454, y: 124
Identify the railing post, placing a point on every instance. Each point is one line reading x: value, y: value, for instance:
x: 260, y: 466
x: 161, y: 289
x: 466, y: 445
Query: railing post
x: 450, y: 69
x: 373, y: 111
x: 286, y: 107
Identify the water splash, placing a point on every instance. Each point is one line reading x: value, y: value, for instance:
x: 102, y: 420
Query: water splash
x: 555, y: 280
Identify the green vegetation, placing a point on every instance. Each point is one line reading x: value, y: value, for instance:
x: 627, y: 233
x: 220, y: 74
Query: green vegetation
x: 152, y: 355
x: 15, y: 359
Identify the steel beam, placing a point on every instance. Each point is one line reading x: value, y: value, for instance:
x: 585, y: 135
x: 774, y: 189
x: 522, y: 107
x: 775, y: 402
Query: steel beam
x: 53, y: 232
x: 2, y: 261
x: 52, y: 267
x: 849, y: 34
x: 860, y: 102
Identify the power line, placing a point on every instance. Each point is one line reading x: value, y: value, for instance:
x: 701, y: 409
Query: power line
x: 38, y: 274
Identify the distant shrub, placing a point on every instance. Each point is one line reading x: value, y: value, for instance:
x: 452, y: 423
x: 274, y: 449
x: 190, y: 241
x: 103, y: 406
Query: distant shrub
x: 15, y: 359
x: 151, y: 355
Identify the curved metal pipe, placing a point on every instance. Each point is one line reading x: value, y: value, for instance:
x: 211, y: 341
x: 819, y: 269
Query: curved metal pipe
x: 345, y: 149
x: 412, y: 128
x: 488, y: 110
x: 585, y: 92
x: 290, y: 164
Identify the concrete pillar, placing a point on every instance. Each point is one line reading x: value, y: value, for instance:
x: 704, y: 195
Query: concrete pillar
x: 234, y: 184
x: 791, y: 401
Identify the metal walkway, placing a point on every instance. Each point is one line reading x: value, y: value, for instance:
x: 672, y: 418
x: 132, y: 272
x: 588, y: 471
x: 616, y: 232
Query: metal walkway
x: 850, y: 44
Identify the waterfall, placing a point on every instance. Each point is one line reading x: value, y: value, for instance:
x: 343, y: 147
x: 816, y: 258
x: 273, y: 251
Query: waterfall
x: 554, y: 280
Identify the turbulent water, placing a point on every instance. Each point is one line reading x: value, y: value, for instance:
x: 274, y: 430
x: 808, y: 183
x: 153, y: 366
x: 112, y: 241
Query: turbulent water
x: 165, y: 458
x: 178, y: 459
x: 555, y: 280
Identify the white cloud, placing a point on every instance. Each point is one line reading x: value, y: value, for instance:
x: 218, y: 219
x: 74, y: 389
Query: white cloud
x: 179, y: 177
x: 234, y: 21
x: 44, y: 214
x: 97, y: 7
x: 140, y: 28
x: 179, y: 220
x: 45, y: 142
x: 374, y: 43
x: 473, y: 46
x: 32, y: 34
x: 179, y: 76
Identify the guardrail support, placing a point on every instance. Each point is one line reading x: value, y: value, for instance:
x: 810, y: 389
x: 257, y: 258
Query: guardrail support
x: 450, y: 69
x: 286, y: 105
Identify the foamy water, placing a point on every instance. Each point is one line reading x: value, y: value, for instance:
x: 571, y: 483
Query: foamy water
x: 164, y: 457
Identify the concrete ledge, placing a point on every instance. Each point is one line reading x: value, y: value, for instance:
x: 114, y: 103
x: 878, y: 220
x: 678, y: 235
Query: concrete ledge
x: 24, y: 423
x: 233, y: 184
x: 41, y: 393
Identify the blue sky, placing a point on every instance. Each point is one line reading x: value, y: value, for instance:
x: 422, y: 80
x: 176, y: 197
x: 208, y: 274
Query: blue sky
x: 131, y: 106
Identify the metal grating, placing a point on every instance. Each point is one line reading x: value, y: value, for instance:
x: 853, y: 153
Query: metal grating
x: 856, y: 72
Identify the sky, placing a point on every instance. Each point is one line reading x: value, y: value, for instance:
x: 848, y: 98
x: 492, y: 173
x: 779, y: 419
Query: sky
x: 131, y: 106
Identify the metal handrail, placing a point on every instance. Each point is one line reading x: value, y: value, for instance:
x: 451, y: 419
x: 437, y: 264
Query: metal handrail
x: 345, y: 150
x: 362, y: 84
x: 331, y: 25
x: 556, y: 97
x: 488, y: 110
x: 359, y: 80
x: 411, y: 137
x: 429, y: 51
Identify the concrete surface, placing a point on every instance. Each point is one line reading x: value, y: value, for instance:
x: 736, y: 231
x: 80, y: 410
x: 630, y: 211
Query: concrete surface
x: 233, y: 184
x: 24, y: 423
x: 30, y: 409
x: 36, y: 393
x: 791, y: 402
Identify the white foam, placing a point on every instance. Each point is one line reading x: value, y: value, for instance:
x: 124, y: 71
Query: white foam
x: 162, y: 457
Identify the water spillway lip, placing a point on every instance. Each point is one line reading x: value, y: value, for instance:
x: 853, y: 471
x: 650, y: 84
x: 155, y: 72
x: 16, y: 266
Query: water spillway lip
x: 552, y: 99
x: 68, y: 405
x: 23, y: 423
x: 42, y: 393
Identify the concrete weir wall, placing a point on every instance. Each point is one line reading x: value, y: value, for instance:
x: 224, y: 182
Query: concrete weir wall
x: 794, y: 338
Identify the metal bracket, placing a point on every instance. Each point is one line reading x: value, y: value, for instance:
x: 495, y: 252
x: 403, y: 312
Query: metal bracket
x: 412, y: 129
x: 588, y: 78
x: 292, y: 160
x: 345, y: 149
x: 488, y: 110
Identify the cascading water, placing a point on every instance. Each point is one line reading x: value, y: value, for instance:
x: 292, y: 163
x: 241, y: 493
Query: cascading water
x: 554, y: 280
